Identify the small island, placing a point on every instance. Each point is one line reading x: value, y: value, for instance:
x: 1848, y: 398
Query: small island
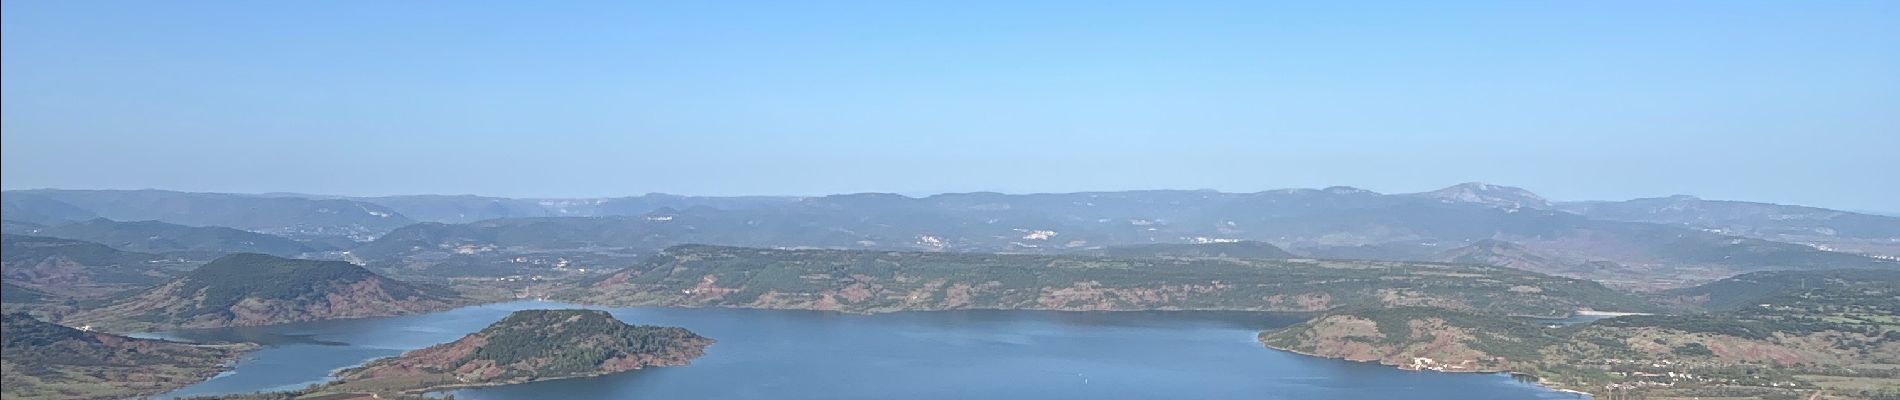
x: 527, y: 346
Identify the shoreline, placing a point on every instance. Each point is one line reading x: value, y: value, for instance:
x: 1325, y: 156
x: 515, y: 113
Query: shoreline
x: 1540, y: 381
x: 479, y: 385
x: 330, y: 378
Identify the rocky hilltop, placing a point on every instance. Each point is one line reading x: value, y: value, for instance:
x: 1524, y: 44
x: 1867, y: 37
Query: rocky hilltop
x: 47, y: 361
x: 526, y: 346
x: 257, y: 289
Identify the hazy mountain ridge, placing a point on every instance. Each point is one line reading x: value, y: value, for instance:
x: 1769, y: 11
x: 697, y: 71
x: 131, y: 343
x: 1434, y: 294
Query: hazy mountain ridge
x: 202, y: 242
x: 1825, y: 228
x: 1311, y: 221
x: 39, y: 209
x: 1335, y: 222
x: 471, y: 208
x: 278, y: 215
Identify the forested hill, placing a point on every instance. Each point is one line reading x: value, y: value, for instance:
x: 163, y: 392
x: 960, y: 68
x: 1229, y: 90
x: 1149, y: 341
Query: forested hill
x: 1866, y: 291
x: 876, y: 281
x: 73, y: 268
x: 257, y: 289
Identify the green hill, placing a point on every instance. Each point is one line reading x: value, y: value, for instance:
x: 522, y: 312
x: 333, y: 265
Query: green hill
x: 257, y: 289
x: 77, y: 268
x: 1825, y: 291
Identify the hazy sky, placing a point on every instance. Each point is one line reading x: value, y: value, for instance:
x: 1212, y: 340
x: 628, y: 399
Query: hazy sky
x: 1784, y: 101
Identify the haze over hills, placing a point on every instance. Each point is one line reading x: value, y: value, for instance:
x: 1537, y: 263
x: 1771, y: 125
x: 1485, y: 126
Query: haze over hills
x: 166, y: 238
x: 468, y: 208
x: 288, y: 216
x: 1840, y: 230
x: 1331, y: 223
x: 27, y: 206
x: 1651, y: 243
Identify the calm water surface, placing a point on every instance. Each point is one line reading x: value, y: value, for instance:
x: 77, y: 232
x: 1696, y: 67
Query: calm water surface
x: 765, y: 354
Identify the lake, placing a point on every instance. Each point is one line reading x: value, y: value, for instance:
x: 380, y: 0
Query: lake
x: 775, y: 354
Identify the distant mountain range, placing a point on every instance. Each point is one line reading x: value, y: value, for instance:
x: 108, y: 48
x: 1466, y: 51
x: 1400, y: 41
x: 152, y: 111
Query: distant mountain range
x: 1643, y: 242
x: 166, y: 238
x: 287, y: 216
x: 304, y: 216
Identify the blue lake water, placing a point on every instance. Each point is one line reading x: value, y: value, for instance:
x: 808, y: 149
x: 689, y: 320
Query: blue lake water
x: 770, y: 354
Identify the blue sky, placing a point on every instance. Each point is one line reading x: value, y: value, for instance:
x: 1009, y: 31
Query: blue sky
x: 1783, y: 101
